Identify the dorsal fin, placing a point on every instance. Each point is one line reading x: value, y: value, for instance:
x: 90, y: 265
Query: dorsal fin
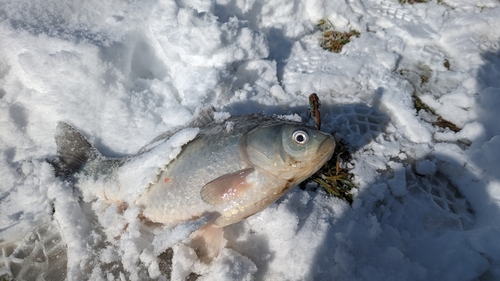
x: 72, y: 147
x: 203, y: 115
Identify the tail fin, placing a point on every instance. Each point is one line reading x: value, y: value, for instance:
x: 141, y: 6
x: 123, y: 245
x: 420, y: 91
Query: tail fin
x: 73, y: 150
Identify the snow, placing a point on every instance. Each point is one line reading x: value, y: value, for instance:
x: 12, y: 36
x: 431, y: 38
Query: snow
x: 427, y: 202
x: 425, y: 167
x: 137, y: 180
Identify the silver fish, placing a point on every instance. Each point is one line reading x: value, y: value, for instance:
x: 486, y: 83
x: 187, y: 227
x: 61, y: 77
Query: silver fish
x: 231, y: 170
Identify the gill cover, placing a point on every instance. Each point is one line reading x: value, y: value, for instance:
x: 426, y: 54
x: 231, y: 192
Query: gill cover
x: 262, y: 146
x: 277, y: 146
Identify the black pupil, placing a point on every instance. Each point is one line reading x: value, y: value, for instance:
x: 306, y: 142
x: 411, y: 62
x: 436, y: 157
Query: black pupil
x: 300, y: 138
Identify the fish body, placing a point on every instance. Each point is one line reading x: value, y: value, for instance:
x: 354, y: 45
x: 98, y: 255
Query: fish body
x: 231, y: 169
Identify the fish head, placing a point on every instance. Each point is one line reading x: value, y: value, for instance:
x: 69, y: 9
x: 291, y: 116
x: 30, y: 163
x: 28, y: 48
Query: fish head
x: 292, y: 152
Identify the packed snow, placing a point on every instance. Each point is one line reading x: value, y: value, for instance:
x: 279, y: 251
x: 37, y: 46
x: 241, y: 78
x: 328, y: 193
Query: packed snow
x: 427, y: 199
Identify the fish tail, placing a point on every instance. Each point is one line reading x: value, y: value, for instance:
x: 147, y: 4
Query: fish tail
x: 73, y: 150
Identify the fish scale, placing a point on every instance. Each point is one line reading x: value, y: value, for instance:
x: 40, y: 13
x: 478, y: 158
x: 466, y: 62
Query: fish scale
x: 185, y: 172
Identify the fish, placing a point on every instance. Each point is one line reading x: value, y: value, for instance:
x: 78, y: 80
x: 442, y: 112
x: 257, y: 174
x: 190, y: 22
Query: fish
x: 314, y: 109
x: 230, y: 170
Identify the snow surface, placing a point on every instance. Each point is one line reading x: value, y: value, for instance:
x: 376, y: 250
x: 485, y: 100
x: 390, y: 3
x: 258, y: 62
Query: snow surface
x: 427, y: 203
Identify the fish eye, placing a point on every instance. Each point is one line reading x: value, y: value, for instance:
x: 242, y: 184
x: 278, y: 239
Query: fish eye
x: 300, y: 137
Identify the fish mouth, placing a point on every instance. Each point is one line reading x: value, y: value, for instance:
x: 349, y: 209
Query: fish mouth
x: 323, y: 154
x: 326, y: 148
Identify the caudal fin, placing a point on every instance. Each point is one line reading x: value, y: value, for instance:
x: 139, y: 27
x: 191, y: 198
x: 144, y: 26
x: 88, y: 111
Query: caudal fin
x: 73, y: 150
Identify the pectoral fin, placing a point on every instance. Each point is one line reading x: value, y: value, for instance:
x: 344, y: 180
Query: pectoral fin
x: 226, y: 187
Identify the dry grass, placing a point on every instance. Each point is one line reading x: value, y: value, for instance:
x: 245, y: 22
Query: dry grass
x: 411, y: 2
x: 420, y: 105
x: 333, y: 40
x: 441, y: 122
x: 335, y: 176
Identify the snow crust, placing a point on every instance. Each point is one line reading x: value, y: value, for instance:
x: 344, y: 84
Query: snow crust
x: 427, y: 202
